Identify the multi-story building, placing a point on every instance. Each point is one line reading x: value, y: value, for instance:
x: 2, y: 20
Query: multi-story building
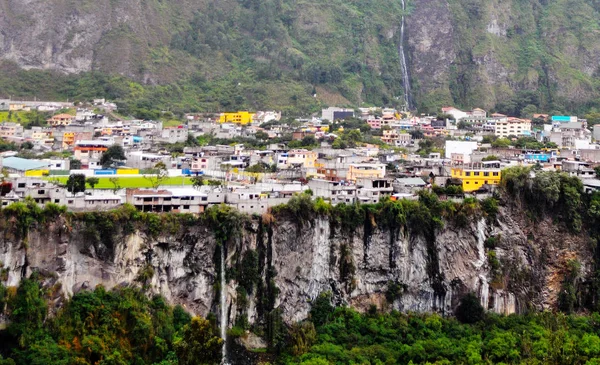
x: 505, y: 127
x: 395, y: 138
x: 474, y: 176
x: 333, y: 113
x: 61, y: 119
x: 174, y: 135
x: 370, y: 190
x: 242, y: 117
x: 334, y: 191
x: 301, y: 157
x: 365, y: 170
x: 10, y: 130
x: 85, y: 150
x: 182, y: 200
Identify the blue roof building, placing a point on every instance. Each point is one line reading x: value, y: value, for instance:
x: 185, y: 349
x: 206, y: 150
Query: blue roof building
x: 22, y: 164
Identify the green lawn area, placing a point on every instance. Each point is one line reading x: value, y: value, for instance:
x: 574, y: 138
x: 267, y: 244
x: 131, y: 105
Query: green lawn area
x: 17, y: 116
x: 172, y: 123
x: 131, y: 182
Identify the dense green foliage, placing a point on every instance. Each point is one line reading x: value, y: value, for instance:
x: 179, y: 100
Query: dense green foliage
x: 548, y: 192
x: 347, y: 337
x: 122, y: 326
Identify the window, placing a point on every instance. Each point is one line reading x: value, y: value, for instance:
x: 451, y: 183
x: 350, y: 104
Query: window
x: 495, y: 173
x: 468, y: 173
x: 476, y: 173
x: 186, y: 207
x: 467, y: 183
x: 56, y: 201
x: 147, y: 199
x: 487, y: 173
x: 69, y: 202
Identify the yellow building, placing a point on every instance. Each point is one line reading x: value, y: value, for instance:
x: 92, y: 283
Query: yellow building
x: 237, y: 118
x: 302, y: 157
x: 68, y: 139
x: 365, y: 171
x: 475, y: 176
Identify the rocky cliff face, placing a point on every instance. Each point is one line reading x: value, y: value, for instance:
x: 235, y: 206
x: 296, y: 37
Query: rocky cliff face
x: 297, y: 262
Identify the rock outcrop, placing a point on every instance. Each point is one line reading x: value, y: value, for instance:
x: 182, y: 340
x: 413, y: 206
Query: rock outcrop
x: 297, y: 261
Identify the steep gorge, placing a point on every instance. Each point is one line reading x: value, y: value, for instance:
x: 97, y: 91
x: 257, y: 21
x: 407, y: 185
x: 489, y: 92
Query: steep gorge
x: 279, y: 264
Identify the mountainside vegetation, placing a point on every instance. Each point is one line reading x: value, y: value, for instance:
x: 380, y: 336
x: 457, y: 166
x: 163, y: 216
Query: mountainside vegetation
x: 515, y: 54
x: 516, y: 57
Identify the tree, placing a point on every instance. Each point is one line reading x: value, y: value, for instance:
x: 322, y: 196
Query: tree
x: 309, y: 140
x: 92, y: 182
x: 261, y: 136
x: 76, y: 183
x: 28, y: 310
x: 321, y: 310
x: 198, y: 181
x: 159, y: 174
x: 75, y: 164
x: 501, y: 143
x: 469, y: 310
x: 112, y: 156
x: 490, y: 158
x: 116, y: 184
x: 191, y: 141
x: 416, y: 134
x: 528, y: 111
x: 198, y: 344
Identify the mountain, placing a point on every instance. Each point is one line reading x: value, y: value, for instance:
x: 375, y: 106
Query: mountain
x: 229, y: 54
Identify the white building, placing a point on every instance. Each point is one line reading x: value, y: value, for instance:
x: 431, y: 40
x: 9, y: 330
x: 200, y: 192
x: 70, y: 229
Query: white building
x: 460, y: 147
x: 456, y: 114
x: 505, y: 127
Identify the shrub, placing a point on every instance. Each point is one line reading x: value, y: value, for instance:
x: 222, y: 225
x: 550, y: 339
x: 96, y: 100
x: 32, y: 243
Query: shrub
x: 469, y: 310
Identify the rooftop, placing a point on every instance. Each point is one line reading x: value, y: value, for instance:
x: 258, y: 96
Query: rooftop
x: 22, y: 164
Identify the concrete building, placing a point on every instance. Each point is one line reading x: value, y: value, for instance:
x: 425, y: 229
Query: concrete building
x: 505, y: 127
x: 90, y: 149
x: 184, y: 200
x: 241, y: 117
x: 596, y: 132
x: 396, y: 138
x: 365, y: 170
x: 334, y: 191
x: 174, y: 135
x: 61, y: 120
x: 475, y: 176
x: 333, y: 113
x: 371, y: 190
x: 456, y: 114
x: 10, y: 130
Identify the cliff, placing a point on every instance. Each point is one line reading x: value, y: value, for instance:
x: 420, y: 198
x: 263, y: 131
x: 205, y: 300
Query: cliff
x: 283, y: 261
x: 504, y: 54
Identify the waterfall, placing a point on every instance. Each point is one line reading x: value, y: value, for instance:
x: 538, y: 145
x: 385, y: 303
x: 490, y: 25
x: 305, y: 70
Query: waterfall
x: 223, y: 306
x: 403, y: 63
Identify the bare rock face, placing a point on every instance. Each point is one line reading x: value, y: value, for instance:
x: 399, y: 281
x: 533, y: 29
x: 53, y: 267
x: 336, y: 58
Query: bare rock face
x: 302, y: 260
x: 430, y: 34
